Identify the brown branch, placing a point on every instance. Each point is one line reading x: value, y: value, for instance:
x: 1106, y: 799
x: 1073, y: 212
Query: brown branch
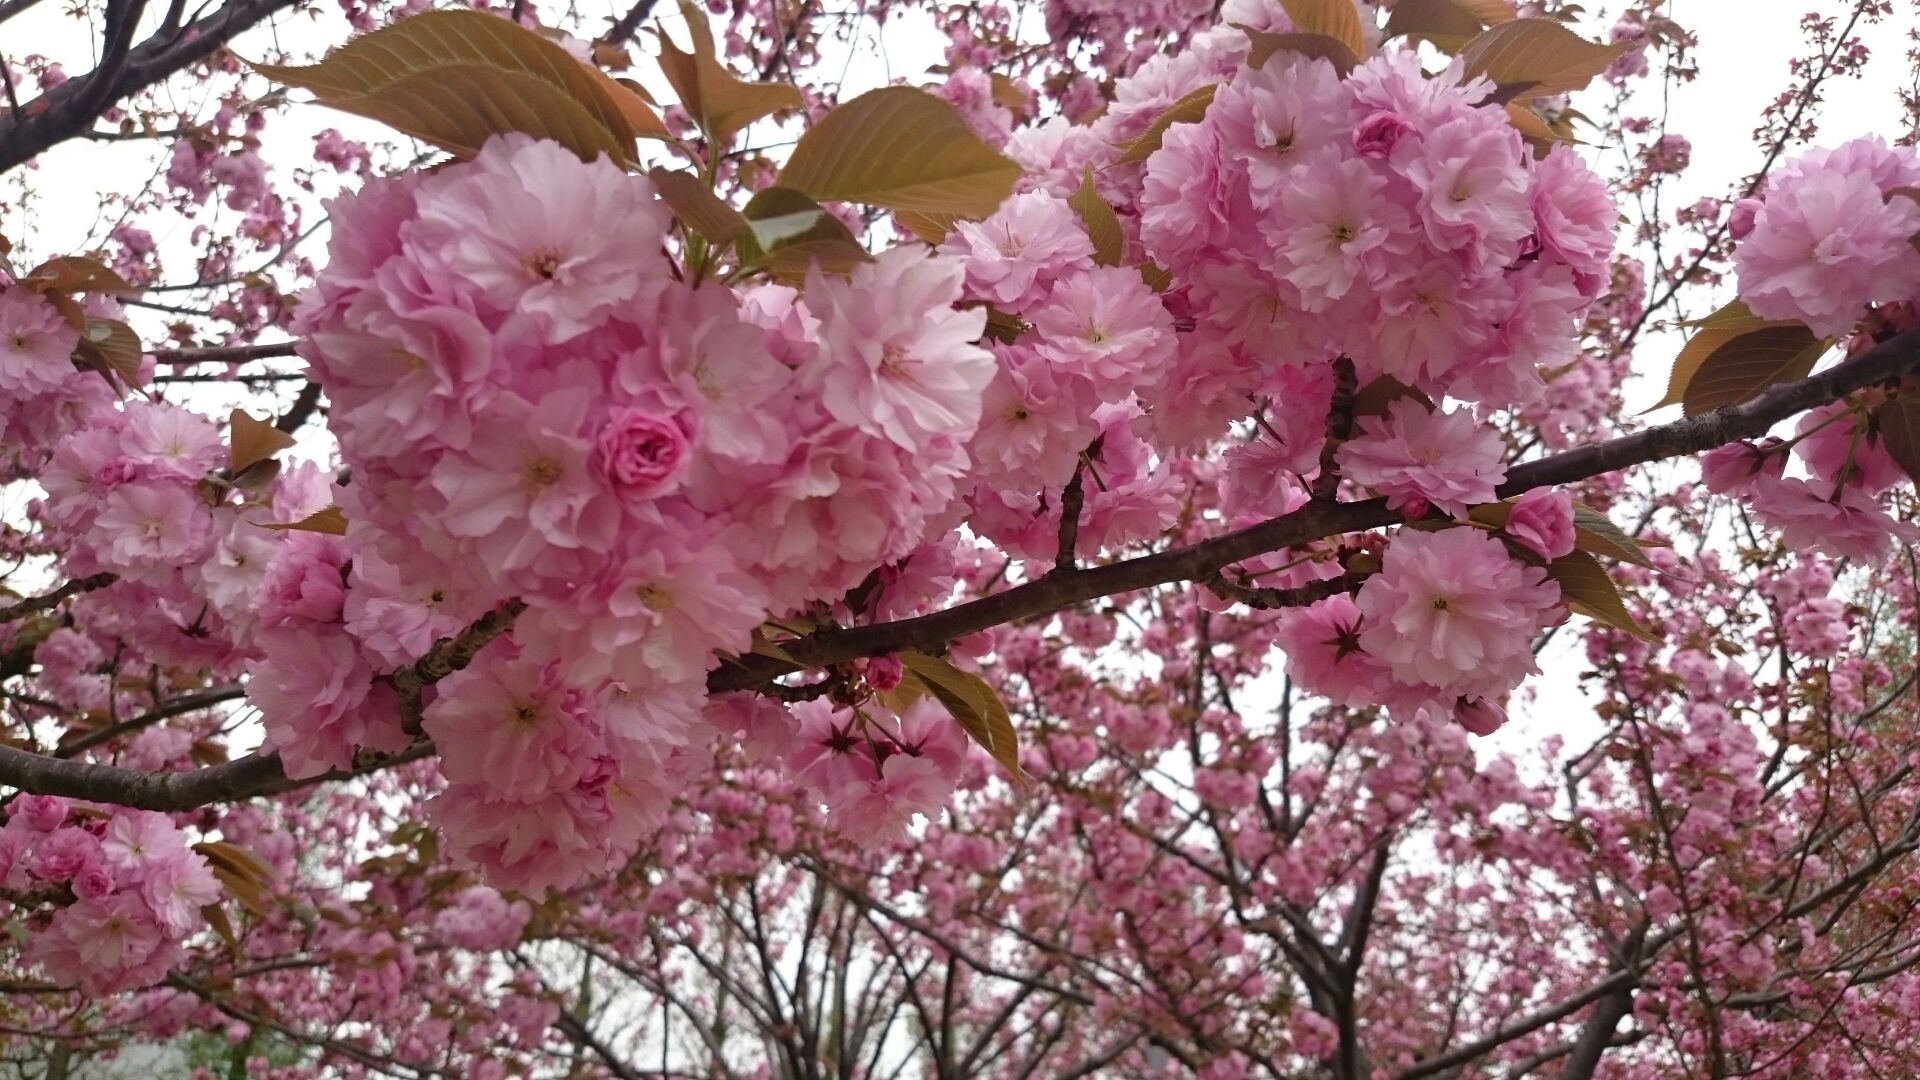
x: 1326, y: 484
x: 244, y: 778
x: 1195, y: 562
x: 179, y: 706
x: 303, y: 408
x: 50, y: 600
x: 1520, y: 1028
x: 123, y: 16
x: 448, y: 655
x: 225, y: 354
x: 1272, y: 599
x: 14, y: 7
x: 1073, y: 499
x: 70, y: 109
x: 627, y: 25
x: 255, y: 774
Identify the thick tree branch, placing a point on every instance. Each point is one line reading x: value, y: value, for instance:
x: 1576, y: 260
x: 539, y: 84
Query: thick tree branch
x: 1520, y: 1028
x: 70, y: 109
x: 1195, y: 562
x: 448, y: 655
x: 244, y: 778
x: 180, y: 706
x: 255, y: 774
x: 225, y: 354
x: 51, y: 600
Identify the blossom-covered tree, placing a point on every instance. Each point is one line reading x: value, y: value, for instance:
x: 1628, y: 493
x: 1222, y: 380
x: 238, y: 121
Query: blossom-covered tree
x: 1016, y: 572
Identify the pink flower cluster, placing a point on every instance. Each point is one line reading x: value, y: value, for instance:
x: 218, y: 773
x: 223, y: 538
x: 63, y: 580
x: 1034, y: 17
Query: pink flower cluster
x: 1831, y: 237
x: 1445, y: 628
x: 1840, y: 506
x: 1389, y: 217
x: 111, y: 894
x: 534, y: 404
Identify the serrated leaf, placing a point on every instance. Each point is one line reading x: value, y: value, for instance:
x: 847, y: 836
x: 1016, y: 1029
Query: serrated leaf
x: 330, y: 521
x: 1156, y: 276
x: 250, y: 441
x: 1190, y: 109
x: 1491, y: 12
x: 902, y: 697
x: 1534, y: 128
x: 902, y: 149
x: 1103, y: 225
x: 1337, y: 19
x: 109, y: 345
x: 974, y: 705
x: 456, y: 78
x: 1596, y: 534
x: 1536, y: 58
x: 1897, y: 420
x: 73, y: 274
x: 697, y: 207
x: 244, y: 876
x: 1588, y: 590
x: 1312, y: 46
x: 787, y: 233
x: 1448, y: 24
x: 1711, y: 333
x: 1749, y: 363
x: 718, y: 100
x: 933, y: 228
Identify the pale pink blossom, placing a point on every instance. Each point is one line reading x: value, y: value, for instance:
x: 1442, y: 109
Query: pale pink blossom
x: 1451, y: 609
x: 530, y: 227
x: 896, y: 358
x: 1542, y: 521
x: 509, y: 724
x: 1448, y: 459
x: 36, y: 345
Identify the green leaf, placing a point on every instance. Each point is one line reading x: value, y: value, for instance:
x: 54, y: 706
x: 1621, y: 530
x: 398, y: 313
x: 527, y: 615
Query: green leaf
x: 240, y: 872
x: 73, y: 274
x: 109, y: 345
x: 902, y: 149
x: 933, y: 228
x: 251, y: 441
x: 1103, y: 225
x: 1312, y: 46
x: 1446, y: 23
x: 974, y: 705
x: 330, y: 521
x: 1749, y: 363
x: 1587, y: 590
x: 1897, y: 420
x: 222, y: 927
x: 1337, y: 19
x: 456, y: 78
x: 697, y: 207
x: 1190, y: 109
x: 1536, y: 58
x: 719, y: 101
x: 1711, y: 333
x: 1596, y: 534
x: 787, y: 233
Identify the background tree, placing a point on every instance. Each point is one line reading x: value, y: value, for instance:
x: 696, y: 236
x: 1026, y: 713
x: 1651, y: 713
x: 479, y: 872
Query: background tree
x: 619, y: 607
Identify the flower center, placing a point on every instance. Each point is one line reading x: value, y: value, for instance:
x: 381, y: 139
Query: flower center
x: 655, y: 598
x: 541, y: 472
x: 544, y: 265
